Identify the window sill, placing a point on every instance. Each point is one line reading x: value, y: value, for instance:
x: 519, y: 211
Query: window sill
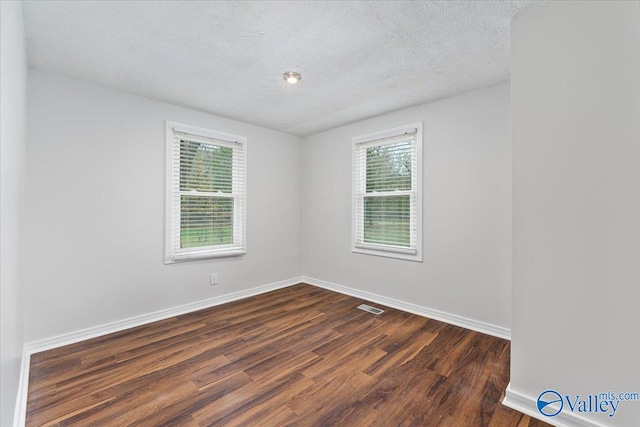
x: 388, y: 253
x: 194, y: 256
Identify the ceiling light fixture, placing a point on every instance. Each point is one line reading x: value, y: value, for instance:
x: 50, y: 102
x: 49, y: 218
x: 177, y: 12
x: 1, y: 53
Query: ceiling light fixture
x: 292, y: 77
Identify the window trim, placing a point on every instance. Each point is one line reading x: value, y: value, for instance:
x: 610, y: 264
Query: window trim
x: 200, y: 252
x: 389, y: 251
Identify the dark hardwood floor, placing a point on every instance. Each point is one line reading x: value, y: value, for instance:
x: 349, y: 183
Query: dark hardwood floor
x: 299, y: 356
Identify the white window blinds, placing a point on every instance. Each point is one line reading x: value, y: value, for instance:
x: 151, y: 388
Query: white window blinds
x: 206, y: 193
x: 387, y: 193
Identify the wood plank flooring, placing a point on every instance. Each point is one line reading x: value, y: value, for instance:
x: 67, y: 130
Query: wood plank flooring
x: 299, y: 356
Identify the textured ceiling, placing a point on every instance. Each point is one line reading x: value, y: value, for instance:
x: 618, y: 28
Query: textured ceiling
x: 357, y: 59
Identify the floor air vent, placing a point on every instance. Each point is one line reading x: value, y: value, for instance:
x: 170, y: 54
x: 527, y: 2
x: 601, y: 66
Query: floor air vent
x: 370, y: 309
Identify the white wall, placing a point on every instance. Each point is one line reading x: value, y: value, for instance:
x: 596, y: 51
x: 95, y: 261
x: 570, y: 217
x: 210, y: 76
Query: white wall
x: 466, y: 212
x: 576, y: 202
x: 13, y: 76
x: 95, y: 219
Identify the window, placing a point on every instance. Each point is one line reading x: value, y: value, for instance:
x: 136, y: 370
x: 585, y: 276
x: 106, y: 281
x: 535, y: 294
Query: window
x: 387, y: 199
x: 205, y: 193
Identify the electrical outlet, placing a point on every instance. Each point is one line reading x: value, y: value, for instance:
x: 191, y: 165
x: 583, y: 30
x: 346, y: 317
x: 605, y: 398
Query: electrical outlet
x: 213, y: 279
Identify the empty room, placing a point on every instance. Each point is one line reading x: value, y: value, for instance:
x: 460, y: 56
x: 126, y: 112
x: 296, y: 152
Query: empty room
x: 320, y: 213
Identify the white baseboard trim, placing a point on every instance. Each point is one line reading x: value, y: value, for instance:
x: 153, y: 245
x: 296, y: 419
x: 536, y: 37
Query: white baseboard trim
x: 20, y: 411
x: 454, y: 319
x: 527, y: 405
x: 131, y: 322
x: 120, y: 325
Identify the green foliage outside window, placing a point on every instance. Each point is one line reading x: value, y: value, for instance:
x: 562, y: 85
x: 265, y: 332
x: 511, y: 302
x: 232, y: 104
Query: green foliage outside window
x: 206, y: 219
x: 387, y: 217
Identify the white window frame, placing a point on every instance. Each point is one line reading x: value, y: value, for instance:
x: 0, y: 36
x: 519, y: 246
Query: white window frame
x: 239, y: 220
x: 379, y: 249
